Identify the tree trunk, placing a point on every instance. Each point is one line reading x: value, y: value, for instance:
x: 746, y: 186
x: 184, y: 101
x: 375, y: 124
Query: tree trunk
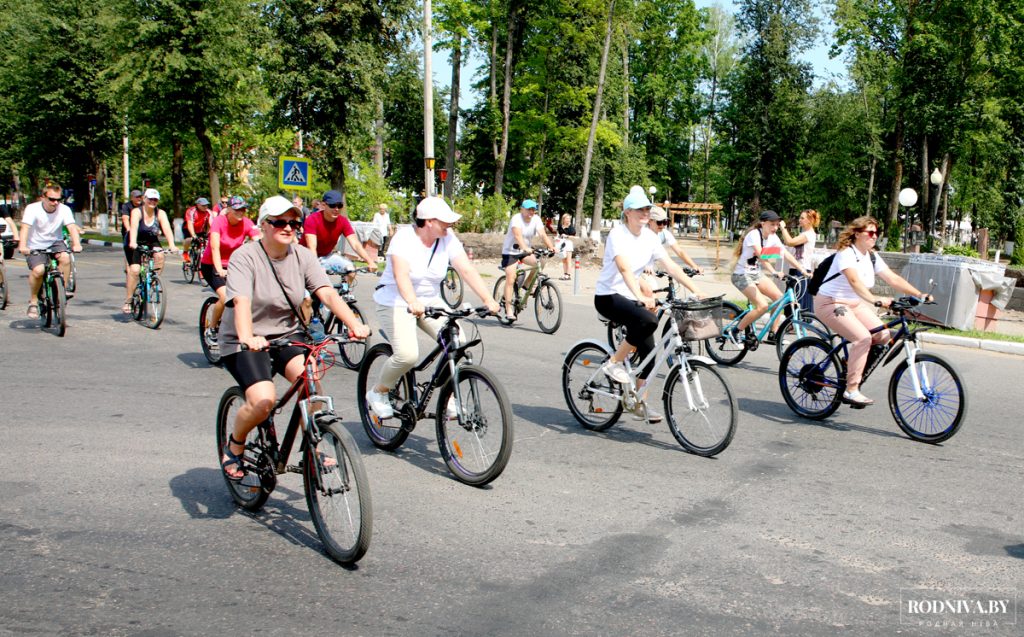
x: 871, y: 184
x: 338, y: 176
x: 506, y: 99
x: 938, y: 196
x: 177, y: 168
x: 453, y: 117
x: 378, y: 130
x: 101, y: 188
x: 897, y: 177
x: 625, y: 92
x: 593, y: 121
x: 211, y: 162
x: 598, y: 214
x: 493, y: 98
x: 926, y: 189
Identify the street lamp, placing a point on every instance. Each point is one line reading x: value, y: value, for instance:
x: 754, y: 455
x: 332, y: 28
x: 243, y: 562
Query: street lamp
x: 908, y: 199
x: 936, y: 179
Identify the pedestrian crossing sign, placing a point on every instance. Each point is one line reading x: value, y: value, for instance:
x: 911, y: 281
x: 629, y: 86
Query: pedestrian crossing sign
x: 293, y: 173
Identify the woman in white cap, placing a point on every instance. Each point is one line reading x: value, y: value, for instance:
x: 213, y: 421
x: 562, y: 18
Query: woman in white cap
x: 266, y: 282
x: 659, y: 226
x: 522, y: 228
x: 147, y: 223
x: 622, y: 295
x: 417, y: 261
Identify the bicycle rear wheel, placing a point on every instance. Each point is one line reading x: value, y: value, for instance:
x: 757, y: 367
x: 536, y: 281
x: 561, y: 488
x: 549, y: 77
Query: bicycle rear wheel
x: 940, y: 414
x: 3, y: 286
x: 547, y: 306
x: 452, y: 289
x: 59, y: 300
x: 209, y: 342
x: 811, y: 378
x: 351, y: 353
x: 477, y: 443
x: 706, y: 429
x: 724, y: 350
x: 791, y: 331
x: 156, y: 303
x: 249, y: 492
x: 338, y: 492
x: 594, y: 399
x: 137, y: 305
x: 387, y: 438
x: 186, y: 268
x: 73, y: 274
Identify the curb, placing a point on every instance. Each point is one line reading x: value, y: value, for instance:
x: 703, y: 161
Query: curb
x: 105, y: 244
x: 1004, y: 347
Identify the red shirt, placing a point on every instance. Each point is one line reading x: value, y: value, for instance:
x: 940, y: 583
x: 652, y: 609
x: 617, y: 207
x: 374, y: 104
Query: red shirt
x: 198, y: 218
x: 327, y: 233
x: 231, y: 238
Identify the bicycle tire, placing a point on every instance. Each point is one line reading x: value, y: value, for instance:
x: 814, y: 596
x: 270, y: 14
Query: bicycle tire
x: 353, y: 352
x: 3, y: 286
x: 581, y: 375
x: 547, y: 307
x: 791, y: 331
x: 945, y: 396
x: 452, y: 288
x: 812, y: 378
x: 708, y: 430
x: 137, y: 306
x: 72, y: 285
x: 156, y: 303
x: 210, y: 350
x: 386, y: 438
x: 59, y: 300
x: 723, y: 350
x: 339, y: 497
x: 45, y: 306
x: 249, y: 492
x: 186, y: 268
x: 477, y: 444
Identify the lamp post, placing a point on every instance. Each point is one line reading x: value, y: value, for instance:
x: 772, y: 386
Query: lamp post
x: 428, y: 102
x: 936, y: 179
x: 907, y: 199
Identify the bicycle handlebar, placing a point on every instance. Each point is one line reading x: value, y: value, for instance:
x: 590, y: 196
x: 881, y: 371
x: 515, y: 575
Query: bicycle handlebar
x: 906, y: 303
x: 463, y: 312
x: 285, y: 341
x: 540, y: 253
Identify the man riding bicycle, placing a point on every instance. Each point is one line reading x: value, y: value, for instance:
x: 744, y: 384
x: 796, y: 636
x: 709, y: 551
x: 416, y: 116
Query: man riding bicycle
x: 524, y: 226
x: 197, y: 218
x: 41, y: 229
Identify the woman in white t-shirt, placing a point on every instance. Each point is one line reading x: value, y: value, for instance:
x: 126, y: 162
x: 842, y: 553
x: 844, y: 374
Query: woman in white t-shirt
x: 416, y: 263
x: 755, y: 255
x: 803, y: 249
x: 846, y: 305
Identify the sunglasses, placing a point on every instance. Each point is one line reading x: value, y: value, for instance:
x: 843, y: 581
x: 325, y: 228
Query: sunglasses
x: 294, y: 224
x: 335, y: 206
x: 662, y: 223
x: 870, y: 233
x: 55, y: 199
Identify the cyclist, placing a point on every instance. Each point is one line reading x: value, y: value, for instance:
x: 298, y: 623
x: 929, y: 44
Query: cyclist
x: 564, y: 231
x: 382, y: 220
x: 803, y: 249
x: 41, y: 229
x: 265, y: 285
x: 622, y: 296
x: 197, y: 217
x: 659, y: 225
x: 524, y: 226
x: 134, y: 201
x: 754, y: 255
x: 323, y: 228
x: 148, y: 222
x: 227, y: 233
x: 416, y: 263
x: 846, y: 305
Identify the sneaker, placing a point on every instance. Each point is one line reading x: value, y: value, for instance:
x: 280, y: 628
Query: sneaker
x: 379, y: 405
x: 770, y: 338
x: 452, y: 409
x: 642, y: 412
x: 856, y: 399
x: 210, y: 335
x: 732, y: 333
x: 616, y: 372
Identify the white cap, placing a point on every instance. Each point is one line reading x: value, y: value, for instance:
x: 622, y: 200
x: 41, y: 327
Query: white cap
x: 151, y: 193
x: 436, y: 208
x: 275, y: 207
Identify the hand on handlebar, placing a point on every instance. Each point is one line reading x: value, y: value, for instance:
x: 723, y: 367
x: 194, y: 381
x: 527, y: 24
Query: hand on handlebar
x: 76, y: 249
x: 24, y: 249
x: 255, y: 343
x: 883, y: 301
x: 416, y: 308
x: 360, y: 332
x: 648, y: 301
x: 492, y: 306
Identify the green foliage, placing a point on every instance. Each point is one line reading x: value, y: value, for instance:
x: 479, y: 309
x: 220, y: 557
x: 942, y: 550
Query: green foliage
x: 894, y: 238
x: 482, y: 214
x: 364, y: 191
x: 963, y: 251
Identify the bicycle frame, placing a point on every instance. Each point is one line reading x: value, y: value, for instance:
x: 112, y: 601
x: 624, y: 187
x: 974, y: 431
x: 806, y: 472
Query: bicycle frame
x: 446, y: 369
x: 897, y: 342
x: 305, y: 388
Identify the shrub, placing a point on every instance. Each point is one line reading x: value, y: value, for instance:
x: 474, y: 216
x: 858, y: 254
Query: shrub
x: 489, y: 214
x: 962, y: 251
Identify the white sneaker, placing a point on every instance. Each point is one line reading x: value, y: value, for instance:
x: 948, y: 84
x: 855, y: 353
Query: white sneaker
x: 452, y: 409
x: 379, y: 405
x: 616, y: 372
x: 646, y: 414
x: 857, y: 399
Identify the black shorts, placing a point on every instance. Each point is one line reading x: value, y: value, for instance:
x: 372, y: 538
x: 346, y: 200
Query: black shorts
x: 508, y: 259
x: 248, y: 367
x: 210, y: 275
x: 136, y: 257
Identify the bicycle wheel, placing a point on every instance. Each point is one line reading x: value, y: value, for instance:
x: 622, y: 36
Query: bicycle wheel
x: 211, y: 346
x: 706, y: 429
x: 386, y: 438
x: 811, y: 378
x: 186, y: 268
x: 156, y: 303
x: 353, y: 352
x: 941, y: 413
x: 249, y: 492
x: 59, y: 301
x: 3, y: 286
x: 338, y: 495
x: 73, y: 274
x: 724, y: 350
x: 477, y: 442
x: 547, y: 306
x: 137, y: 304
x: 594, y: 399
x: 451, y: 288
x: 791, y: 331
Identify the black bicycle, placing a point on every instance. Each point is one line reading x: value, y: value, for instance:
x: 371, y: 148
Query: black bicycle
x: 531, y: 281
x: 926, y: 396
x: 351, y: 351
x: 452, y: 288
x: 209, y: 330
x: 3, y: 285
x: 190, y: 263
x: 473, y: 414
x: 53, y: 299
x: 337, y: 489
x: 149, y: 300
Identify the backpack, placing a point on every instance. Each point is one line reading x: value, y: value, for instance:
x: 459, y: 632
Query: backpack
x: 820, y: 276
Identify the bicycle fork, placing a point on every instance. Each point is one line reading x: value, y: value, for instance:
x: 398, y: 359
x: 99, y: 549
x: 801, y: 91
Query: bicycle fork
x: 919, y: 377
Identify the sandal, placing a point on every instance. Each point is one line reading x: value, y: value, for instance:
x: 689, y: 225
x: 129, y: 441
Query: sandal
x: 232, y: 459
x: 566, y: 277
x: 33, y: 311
x: 126, y: 308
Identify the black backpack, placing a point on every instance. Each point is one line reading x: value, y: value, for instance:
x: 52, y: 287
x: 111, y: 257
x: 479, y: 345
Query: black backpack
x: 820, y: 276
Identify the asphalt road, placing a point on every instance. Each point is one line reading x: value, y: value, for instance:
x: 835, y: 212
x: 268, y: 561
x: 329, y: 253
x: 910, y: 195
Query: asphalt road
x: 115, y: 519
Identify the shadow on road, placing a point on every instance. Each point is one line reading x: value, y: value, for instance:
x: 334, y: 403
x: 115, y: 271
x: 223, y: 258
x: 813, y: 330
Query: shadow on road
x: 625, y: 429
x: 195, y: 360
x: 777, y: 412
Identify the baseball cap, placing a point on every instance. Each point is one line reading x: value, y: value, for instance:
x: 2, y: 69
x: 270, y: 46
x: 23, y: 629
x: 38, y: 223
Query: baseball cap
x: 636, y: 199
x: 152, y: 193
x: 769, y: 215
x: 275, y: 207
x: 238, y: 203
x: 202, y: 201
x: 332, y: 198
x: 529, y: 204
x: 436, y: 208
x: 658, y: 213
x: 136, y: 193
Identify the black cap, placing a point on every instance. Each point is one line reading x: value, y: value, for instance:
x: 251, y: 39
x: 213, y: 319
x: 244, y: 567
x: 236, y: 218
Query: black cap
x: 769, y: 215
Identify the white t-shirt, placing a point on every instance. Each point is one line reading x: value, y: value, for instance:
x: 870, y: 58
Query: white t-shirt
x: 529, y: 231
x: 45, y: 229
x: 383, y: 221
x: 639, y: 251
x: 807, y: 260
x: 752, y: 240
x: 839, y: 288
x: 427, y: 266
x: 666, y: 238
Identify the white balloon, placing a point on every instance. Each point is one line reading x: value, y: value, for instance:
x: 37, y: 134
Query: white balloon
x: 908, y: 197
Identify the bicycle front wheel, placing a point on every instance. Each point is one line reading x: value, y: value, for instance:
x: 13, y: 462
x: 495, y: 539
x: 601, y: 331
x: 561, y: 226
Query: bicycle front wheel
x: 474, y: 426
x: 59, y: 300
x: 722, y: 349
x: 73, y: 274
x: 939, y: 414
x: 594, y: 399
x: 387, y: 438
x: 3, y: 287
x: 351, y: 353
x: 547, y: 306
x: 700, y: 408
x: 338, y: 492
x: 793, y: 330
x: 451, y: 289
x: 207, y: 339
x: 156, y: 303
x: 186, y: 268
x: 249, y: 492
x: 812, y: 378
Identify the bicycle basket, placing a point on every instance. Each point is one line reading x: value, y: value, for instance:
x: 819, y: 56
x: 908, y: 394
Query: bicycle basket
x: 699, y: 320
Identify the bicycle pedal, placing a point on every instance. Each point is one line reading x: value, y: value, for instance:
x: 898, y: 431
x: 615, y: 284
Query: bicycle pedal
x: 293, y: 468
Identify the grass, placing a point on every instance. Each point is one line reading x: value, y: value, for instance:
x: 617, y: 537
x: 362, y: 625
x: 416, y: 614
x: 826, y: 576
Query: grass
x: 987, y: 336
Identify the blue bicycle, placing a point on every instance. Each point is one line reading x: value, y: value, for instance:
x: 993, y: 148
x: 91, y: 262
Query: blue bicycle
x: 149, y: 300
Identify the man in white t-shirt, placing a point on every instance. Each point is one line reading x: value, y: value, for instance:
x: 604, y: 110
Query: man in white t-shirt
x: 382, y: 220
x: 524, y: 226
x: 42, y: 229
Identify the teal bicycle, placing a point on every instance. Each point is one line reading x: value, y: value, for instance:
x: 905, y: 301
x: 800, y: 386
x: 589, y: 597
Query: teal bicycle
x: 149, y: 300
x: 53, y: 299
x: 729, y: 348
